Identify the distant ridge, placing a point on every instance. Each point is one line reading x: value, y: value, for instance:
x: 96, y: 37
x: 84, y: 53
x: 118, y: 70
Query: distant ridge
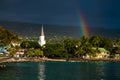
x: 33, y: 30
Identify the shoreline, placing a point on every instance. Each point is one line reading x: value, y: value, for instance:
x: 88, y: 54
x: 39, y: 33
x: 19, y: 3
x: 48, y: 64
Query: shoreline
x: 57, y: 60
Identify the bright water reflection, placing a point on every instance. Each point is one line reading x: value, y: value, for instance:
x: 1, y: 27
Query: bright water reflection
x: 41, y: 73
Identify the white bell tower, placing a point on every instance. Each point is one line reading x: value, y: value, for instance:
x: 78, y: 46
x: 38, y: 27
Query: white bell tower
x: 41, y: 40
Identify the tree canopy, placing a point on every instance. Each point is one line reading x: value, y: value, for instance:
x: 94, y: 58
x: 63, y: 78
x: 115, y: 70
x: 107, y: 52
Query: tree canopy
x: 29, y: 44
x: 6, y: 37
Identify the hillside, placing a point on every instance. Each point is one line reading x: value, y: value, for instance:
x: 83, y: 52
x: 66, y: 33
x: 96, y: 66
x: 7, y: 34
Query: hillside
x: 53, y: 31
x: 33, y: 30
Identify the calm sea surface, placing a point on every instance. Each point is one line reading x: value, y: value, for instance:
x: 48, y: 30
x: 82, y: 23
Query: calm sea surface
x: 61, y: 71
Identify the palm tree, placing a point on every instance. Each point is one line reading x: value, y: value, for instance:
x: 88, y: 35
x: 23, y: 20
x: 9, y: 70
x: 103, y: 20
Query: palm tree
x: 68, y: 45
x: 83, y: 47
x: 116, y: 48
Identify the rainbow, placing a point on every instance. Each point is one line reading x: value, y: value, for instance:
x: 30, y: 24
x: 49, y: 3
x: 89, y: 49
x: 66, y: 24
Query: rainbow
x: 83, y: 25
x: 84, y: 30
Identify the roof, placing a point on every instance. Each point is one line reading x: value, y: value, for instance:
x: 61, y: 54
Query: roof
x: 101, y: 49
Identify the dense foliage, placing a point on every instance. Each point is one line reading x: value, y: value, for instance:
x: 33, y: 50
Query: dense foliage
x: 29, y: 44
x: 54, y: 50
x: 6, y: 37
x: 34, y: 53
x: 79, y: 48
x: 62, y: 49
x: 73, y: 48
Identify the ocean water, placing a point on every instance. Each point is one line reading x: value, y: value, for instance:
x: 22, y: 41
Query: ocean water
x: 61, y: 71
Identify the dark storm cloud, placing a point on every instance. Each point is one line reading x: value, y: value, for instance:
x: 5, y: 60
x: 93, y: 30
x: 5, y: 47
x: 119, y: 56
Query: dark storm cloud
x: 36, y: 8
x: 96, y: 12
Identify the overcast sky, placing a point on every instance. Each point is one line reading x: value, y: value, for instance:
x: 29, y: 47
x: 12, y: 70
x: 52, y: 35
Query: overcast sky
x: 97, y: 13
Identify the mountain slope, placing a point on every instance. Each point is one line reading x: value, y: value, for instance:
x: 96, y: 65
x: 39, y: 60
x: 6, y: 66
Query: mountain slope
x: 33, y: 30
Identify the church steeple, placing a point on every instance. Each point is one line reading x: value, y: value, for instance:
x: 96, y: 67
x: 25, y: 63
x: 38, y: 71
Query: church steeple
x: 42, y: 31
x: 41, y: 40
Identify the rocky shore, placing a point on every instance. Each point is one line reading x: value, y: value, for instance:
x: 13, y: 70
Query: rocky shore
x: 58, y: 60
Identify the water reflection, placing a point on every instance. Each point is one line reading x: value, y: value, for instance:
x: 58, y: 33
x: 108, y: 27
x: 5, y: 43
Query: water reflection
x: 41, y: 73
x: 61, y: 71
x: 91, y: 71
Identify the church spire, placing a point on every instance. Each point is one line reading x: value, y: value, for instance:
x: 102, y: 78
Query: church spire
x: 41, y: 40
x: 42, y: 31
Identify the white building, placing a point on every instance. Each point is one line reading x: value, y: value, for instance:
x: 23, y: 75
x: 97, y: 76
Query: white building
x: 41, y: 40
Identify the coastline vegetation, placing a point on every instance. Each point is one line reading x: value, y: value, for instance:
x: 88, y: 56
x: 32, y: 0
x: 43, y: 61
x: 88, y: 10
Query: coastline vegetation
x: 73, y: 48
x: 67, y: 48
x: 7, y: 37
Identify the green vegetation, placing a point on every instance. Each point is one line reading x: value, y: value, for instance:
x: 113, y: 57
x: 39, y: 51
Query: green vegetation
x: 35, y: 53
x: 71, y: 48
x: 66, y: 48
x: 54, y: 50
x: 6, y: 37
x: 82, y: 47
x: 29, y: 44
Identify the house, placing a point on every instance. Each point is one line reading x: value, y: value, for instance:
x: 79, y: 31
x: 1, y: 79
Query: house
x: 19, y: 53
x: 102, y: 54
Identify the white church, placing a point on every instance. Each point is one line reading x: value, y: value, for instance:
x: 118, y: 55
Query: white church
x: 41, y: 40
